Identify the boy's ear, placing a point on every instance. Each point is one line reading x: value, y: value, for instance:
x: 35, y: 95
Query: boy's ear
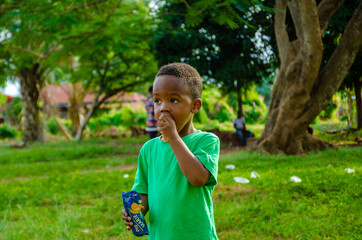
x: 197, y: 105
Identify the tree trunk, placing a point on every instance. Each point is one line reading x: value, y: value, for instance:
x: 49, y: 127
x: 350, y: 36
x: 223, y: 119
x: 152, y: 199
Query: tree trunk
x: 83, y: 124
x: 30, y: 81
x: 350, y: 114
x: 357, y: 91
x: 240, y: 100
x: 302, y: 89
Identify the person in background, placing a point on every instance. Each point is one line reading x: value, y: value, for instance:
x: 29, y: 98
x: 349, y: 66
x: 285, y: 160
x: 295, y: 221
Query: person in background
x: 151, y: 122
x: 240, y: 129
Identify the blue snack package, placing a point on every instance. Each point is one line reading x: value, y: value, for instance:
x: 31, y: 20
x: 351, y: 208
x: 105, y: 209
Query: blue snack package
x: 132, y: 202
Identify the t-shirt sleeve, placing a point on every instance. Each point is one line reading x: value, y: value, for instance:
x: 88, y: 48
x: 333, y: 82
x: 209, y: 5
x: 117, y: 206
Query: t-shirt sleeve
x: 141, y: 180
x: 207, y: 152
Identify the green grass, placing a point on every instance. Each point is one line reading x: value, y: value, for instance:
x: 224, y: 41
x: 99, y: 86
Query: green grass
x: 73, y: 191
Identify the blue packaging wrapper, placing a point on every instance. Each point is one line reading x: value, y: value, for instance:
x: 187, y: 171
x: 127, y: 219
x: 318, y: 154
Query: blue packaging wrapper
x: 132, y: 202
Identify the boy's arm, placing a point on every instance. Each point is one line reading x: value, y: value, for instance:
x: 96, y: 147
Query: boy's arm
x: 190, y: 165
x: 144, y: 203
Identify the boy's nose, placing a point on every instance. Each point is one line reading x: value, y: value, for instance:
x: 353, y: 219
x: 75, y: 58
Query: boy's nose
x: 164, y: 107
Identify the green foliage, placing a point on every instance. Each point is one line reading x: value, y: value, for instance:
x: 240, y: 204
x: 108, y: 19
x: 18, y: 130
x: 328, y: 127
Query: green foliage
x: 338, y: 133
x: 7, y: 131
x: 222, y: 47
x: 328, y: 110
x: 60, y: 189
x: 201, y: 116
x: 3, y: 99
x: 52, y: 126
x: 223, y: 112
x: 13, y: 112
x: 126, y: 116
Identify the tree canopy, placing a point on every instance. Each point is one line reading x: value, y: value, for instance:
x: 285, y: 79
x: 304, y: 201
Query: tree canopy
x: 224, y: 40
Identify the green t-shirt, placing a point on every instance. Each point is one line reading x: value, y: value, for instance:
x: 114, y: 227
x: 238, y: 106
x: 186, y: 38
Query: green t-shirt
x: 177, y: 209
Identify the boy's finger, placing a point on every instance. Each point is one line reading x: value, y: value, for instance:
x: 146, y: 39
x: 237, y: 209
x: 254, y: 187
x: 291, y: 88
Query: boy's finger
x: 128, y: 223
x: 124, y: 212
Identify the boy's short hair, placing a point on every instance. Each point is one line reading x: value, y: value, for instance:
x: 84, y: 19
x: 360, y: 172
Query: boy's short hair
x: 186, y: 73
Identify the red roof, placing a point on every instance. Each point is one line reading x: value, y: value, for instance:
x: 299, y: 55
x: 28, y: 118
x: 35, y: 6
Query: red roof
x: 58, y: 94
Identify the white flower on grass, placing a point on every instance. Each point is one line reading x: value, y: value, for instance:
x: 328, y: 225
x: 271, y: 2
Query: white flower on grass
x: 125, y: 176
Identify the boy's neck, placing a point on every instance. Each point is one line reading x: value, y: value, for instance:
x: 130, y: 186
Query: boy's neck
x: 187, y: 130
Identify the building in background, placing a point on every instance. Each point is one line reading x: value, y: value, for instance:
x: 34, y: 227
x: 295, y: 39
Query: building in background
x: 61, y: 96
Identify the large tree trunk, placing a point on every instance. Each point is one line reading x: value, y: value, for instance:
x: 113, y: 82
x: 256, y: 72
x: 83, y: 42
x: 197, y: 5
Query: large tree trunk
x: 357, y: 91
x: 302, y: 89
x: 30, y: 82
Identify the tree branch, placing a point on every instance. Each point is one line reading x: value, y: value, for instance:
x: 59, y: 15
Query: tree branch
x: 85, y: 5
x: 312, y: 46
x: 186, y: 4
x: 326, y: 9
x: 280, y: 30
x: 295, y: 12
x: 117, y: 90
x: 84, y: 33
x: 333, y: 74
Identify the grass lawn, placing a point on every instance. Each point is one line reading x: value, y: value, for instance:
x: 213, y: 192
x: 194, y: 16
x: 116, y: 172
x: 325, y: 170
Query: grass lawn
x: 73, y: 191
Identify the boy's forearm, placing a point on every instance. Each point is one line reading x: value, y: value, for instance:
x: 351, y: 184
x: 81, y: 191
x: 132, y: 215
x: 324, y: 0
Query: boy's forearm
x: 190, y: 165
x: 144, y: 203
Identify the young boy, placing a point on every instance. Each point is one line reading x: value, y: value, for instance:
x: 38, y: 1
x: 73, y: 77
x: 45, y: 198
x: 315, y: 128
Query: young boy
x: 177, y: 172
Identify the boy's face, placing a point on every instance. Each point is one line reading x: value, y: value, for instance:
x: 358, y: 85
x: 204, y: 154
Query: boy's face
x: 171, y: 96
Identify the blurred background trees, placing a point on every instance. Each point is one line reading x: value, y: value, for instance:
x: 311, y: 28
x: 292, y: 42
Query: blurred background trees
x: 104, y: 47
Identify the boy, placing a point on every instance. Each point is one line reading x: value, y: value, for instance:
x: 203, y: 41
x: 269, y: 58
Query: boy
x: 177, y: 172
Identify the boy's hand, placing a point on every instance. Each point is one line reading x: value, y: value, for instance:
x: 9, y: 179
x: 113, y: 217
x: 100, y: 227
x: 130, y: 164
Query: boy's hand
x: 127, y: 219
x: 167, y: 127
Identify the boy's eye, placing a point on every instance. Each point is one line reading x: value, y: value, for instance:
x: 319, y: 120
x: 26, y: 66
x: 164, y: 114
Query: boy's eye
x: 156, y: 101
x: 173, y: 100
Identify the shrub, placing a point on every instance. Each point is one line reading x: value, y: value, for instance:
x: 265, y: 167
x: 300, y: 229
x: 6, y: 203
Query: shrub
x: 201, y: 116
x: 223, y: 112
x: 126, y: 116
x: 328, y: 110
x: 7, y: 132
x: 52, y: 126
x: 13, y: 112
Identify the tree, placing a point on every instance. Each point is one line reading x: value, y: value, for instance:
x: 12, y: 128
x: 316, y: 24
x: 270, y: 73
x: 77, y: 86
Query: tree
x: 352, y: 82
x: 303, y: 87
x: 33, y: 34
x: 117, y: 63
x: 217, y: 38
x: 331, y: 39
x: 39, y: 35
